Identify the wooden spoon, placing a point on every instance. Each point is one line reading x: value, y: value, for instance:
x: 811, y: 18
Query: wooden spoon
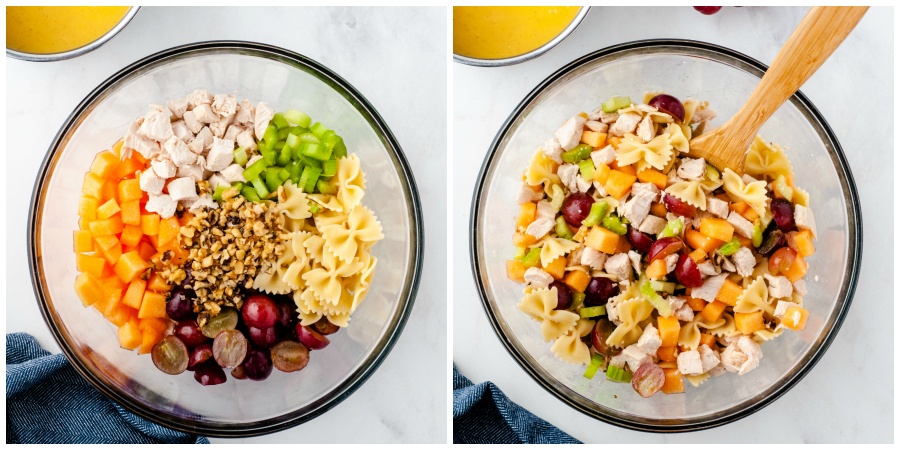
x: 815, y: 39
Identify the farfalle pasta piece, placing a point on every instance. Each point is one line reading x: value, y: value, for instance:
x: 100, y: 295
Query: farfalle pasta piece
x: 677, y: 138
x: 764, y: 159
x: 697, y: 380
x: 271, y: 279
x: 308, y: 306
x: 300, y: 264
x: 540, y: 304
x: 295, y: 204
x: 690, y: 192
x: 325, y: 281
x: 541, y: 170
x: 753, y: 194
x: 631, y: 309
x: 343, y: 240
x: 655, y: 153
x: 689, y: 336
x: 328, y: 217
x: 315, y: 248
x: 552, y: 248
x: 329, y: 202
x: 755, y: 298
x: 646, y: 110
x: 571, y: 348
x: 350, y: 182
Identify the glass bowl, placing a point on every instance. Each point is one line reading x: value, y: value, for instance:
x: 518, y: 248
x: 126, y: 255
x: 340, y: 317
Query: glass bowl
x: 236, y: 408
x: 684, y: 69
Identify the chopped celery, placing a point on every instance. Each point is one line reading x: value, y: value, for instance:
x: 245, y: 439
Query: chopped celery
x: 279, y: 145
x: 260, y: 187
x: 331, y: 140
x: 308, y: 178
x: 309, y: 137
x: 240, y: 156
x: 577, y: 300
x: 314, y: 207
x: 663, y: 286
x: 271, y: 134
x: 272, y: 181
x: 614, y: 224
x: 557, y: 196
x: 217, y: 196
x: 318, y: 129
x: 782, y: 188
x: 340, y: 150
x: 661, y: 305
x: 592, y: 311
x: 757, y: 236
x: 586, y: 168
x: 598, y: 210
x: 329, y: 168
x: 307, y: 161
x: 283, y: 133
x: 297, y: 117
x: 594, y: 366
x: 673, y: 228
x: 250, y: 194
x: 325, y: 187
x: 284, y: 174
x: 255, y: 169
x: 577, y: 154
x: 297, y: 131
x: 519, y: 254
x: 532, y: 258
x: 562, y: 228
x: 295, y: 169
x: 280, y: 121
x: 269, y: 155
x: 616, y: 103
x: 284, y: 156
x: 266, y: 146
x: 292, y: 141
x: 729, y: 248
x: 315, y: 151
x: 618, y: 374
x: 712, y: 173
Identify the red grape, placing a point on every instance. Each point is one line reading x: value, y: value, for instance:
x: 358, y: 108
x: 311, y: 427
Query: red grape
x: 600, y: 334
x: 563, y: 294
x: 708, y: 10
x: 781, y: 260
x: 310, y: 338
x: 229, y: 348
x: 664, y: 247
x: 190, y: 333
x: 262, y: 337
x: 288, y: 313
x: 289, y: 356
x: 258, y: 365
x: 227, y: 319
x: 773, y: 240
x: 677, y: 206
x: 180, y: 306
x: 260, y: 311
x: 598, y: 291
x: 576, y: 207
x: 238, y: 373
x: 639, y: 241
x: 170, y: 355
x: 209, y: 374
x: 669, y: 105
x: 199, y: 355
x: 325, y: 327
x: 687, y: 272
x: 783, y: 213
x: 648, y: 379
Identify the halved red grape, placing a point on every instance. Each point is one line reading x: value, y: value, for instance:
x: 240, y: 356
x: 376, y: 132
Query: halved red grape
x: 229, y: 348
x: 227, y: 319
x: 781, y: 260
x: 648, y: 379
x: 170, y: 355
x: 598, y: 291
x: 288, y: 313
x: 180, y: 306
x: 669, y: 105
x: 260, y: 311
x: 258, y: 365
x: 311, y: 339
x: 708, y: 10
x: 238, y: 373
x: 664, y: 247
x: 576, y: 207
x: 600, y: 334
x: 209, y: 374
x: 687, y: 272
x: 639, y: 241
x: 190, y: 333
x: 773, y: 239
x: 675, y: 206
x: 262, y: 337
x: 325, y: 327
x: 563, y: 294
x: 199, y: 355
x: 783, y: 213
x: 289, y: 356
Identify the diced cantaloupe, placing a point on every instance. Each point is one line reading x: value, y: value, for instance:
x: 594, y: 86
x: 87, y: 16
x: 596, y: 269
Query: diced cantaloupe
x: 111, y: 254
x: 130, y: 166
x: 122, y: 314
x: 657, y: 269
x: 803, y: 243
x: 105, y: 242
x: 90, y: 264
x: 527, y: 212
x: 178, y: 254
x: 593, y: 138
x: 707, y: 340
x: 129, y: 190
x: 699, y: 240
x: 669, y: 328
x: 738, y: 206
x: 718, y: 229
x: 658, y: 209
x: 795, y: 317
x: 158, y: 324
x: 601, y: 173
x: 519, y: 239
x: 134, y: 293
x: 729, y: 293
x: 108, y: 209
x: 131, y: 235
x: 618, y: 183
x: 83, y: 241
x: 157, y: 283
x: 577, y: 280
x: 698, y: 255
x: 108, y: 191
x: 797, y: 270
x: 168, y: 231
x: 105, y: 227
x: 674, y: 382
x: 104, y: 164
x: 131, y: 212
x: 84, y: 224
x: 185, y: 218
x: 614, y: 141
x: 92, y: 186
x: 146, y: 250
x: 713, y: 311
x: 602, y: 240
x: 129, y: 336
x: 667, y: 353
x: 149, y: 338
x: 87, y: 207
x: 130, y: 266
x: 557, y: 268
x: 153, y: 305
x: 745, y: 242
x: 88, y: 289
x: 150, y: 224
x: 629, y: 169
x: 747, y: 323
x: 623, y: 246
x: 696, y: 304
x: 515, y: 271
x: 653, y: 176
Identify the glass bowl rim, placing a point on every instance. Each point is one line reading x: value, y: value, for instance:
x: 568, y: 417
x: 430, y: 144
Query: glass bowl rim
x: 409, y: 288
x: 854, y: 250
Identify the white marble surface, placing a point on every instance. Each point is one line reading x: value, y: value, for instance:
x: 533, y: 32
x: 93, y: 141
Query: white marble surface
x: 383, y: 52
x: 847, y: 397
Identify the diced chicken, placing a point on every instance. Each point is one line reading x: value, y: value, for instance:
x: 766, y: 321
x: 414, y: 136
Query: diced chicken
x: 593, y: 259
x: 245, y: 139
x: 800, y: 287
x: 649, y: 342
x: 804, y: 219
x: 221, y: 155
x: 619, y: 266
x: 180, y: 130
x: 689, y: 363
x: 546, y: 210
x: 643, y: 195
x: 244, y: 114
x: 717, y: 371
x: 164, y: 168
x: 178, y: 107
x: 234, y: 174
x: 552, y: 150
x: 537, y: 278
x: 702, y: 115
x: 191, y: 121
x: 184, y: 188
x: 744, y: 261
x: 218, y: 128
x: 726, y: 263
x: 597, y: 126
x: 707, y: 269
x: 709, y: 358
x: 179, y: 152
x: 635, y: 259
x: 647, y: 189
x: 646, y: 129
x: 692, y: 169
x: 163, y: 109
x: 742, y: 356
x: 674, y: 178
x: 684, y: 313
x: 205, y: 114
x: 781, y: 307
x: 608, y: 118
x: 162, y: 204
x: 671, y: 262
x: 652, y: 225
x: 150, y: 182
x: 569, y: 133
x: 601, y: 191
x: 525, y: 195
x: 698, y: 217
x: 156, y: 126
x: 540, y: 227
x: 264, y: 113
x: 192, y: 171
x: 574, y: 257
x: 224, y: 105
x: 741, y: 225
x: 253, y: 159
x: 217, y: 180
x: 626, y: 123
x: 204, y: 201
x: 710, y: 288
x: 634, y: 357
x: 204, y: 140
x: 779, y: 286
x: 570, y: 175
x: 199, y: 97
x: 618, y: 360
x: 604, y: 156
x: 717, y: 207
x: 676, y: 301
x: 232, y: 132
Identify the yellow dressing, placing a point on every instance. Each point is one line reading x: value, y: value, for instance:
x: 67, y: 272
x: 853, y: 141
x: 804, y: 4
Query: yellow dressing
x: 56, y: 29
x: 494, y: 32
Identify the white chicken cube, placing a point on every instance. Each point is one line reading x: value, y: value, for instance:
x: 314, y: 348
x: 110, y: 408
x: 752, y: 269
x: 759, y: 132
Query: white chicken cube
x: 221, y: 155
x: 619, y: 266
x: 709, y: 358
x: 744, y: 261
x: 164, y: 168
x: 234, y: 174
x: 156, y: 126
x: 526, y: 194
x: 191, y: 121
x: 637, y: 209
x: 552, y: 150
x: 650, y: 341
x: 537, y: 278
x: 217, y: 180
x: 804, y: 219
x: 800, y: 287
x: 596, y: 126
x: 592, y: 258
x: 569, y: 133
x: 781, y: 307
x: 181, y: 131
x: 224, y: 105
x: 162, y: 204
x: 626, y: 123
x: 232, y: 132
x: 193, y: 171
x: 150, y: 182
x: 635, y: 357
x: 684, y: 313
x: 245, y: 139
x: 244, y: 114
x: 184, y: 188
x: 545, y: 210
x: 604, y: 156
x: 205, y: 114
x: 264, y: 113
x: 199, y: 97
x: 570, y: 175
x: 779, y: 286
x: 741, y: 225
x: 204, y: 201
x: 707, y: 269
x: 178, y: 107
x: 710, y: 288
x: 671, y: 262
x: 635, y: 259
x: 717, y: 207
x: 646, y: 129
x: 652, y: 225
x: 689, y: 363
x: 540, y: 227
x: 179, y: 152
x: 692, y: 169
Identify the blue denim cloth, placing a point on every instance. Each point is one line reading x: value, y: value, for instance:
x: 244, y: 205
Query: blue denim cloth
x: 48, y: 402
x: 482, y: 414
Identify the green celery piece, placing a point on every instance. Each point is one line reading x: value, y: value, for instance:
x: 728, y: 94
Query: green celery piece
x: 217, y: 196
x: 331, y: 140
x: 292, y: 141
x: 279, y: 121
x: 757, y: 236
x: 271, y: 134
x: 663, y: 286
x: 269, y: 156
x: 318, y: 129
x: 577, y: 154
x: 284, y: 156
x: 316, y: 151
x: 618, y: 374
x: 586, y: 168
x: 309, y: 137
x: 594, y: 366
x: 297, y: 117
x: 329, y: 168
x: 592, y: 311
x: 240, y: 156
x: 272, y: 181
x: 557, y: 196
x: 255, y: 169
x: 314, y: 207
x: 284, y: 174
x: 782, y: 188
x: 615, y: 103
x: 673, y: 228
x: 283, y: 133
x: 260, y: 187
x: 614, y: 224
x: 562, y: 228
x: 295, y: 169
x: 307, y: 161
x: 279, y: 145
x: 308, y: 179
x: 340, y: 150
x: 598, y: 210
x: 266, y: 146
x: 661, y: 305
x: 519, y: 254
x: 729, y: 248
x: 250, y: 194
x: 297, y: 131
x: 712, y: 173
x: 325, y: 187
x: 532, y: 258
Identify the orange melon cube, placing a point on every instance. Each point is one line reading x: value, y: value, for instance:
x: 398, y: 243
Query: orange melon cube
x: 90, y: 264
x: 150, y: 224
x: 131, y: 212
x: 168, y: 231
x: 601, y: 174
x: 557, y: 268
x: 108, y: 191
x: 729, y: 293
x: 669, y: 328
x: 157, y: 283
x: 713, y: 311
x: 658, y: 210
x: 92, y: 186
x: 674, y: 383
x: 669, y: 353
x: 718, y: 229
x: 105, y: 242
x: 104, y: 164
x: 149, y: 338
x: 129, y: 190
x: 701, y: 241
x: 131, y: 235
x: 515, y: 271
x: 602, y: 240
x: 135, y: 293
x: 623, y: 246
x: 708, y: 340
x: 657, y: 269
x: 802, y: 243
x: 83, y: 241
x: 161, y: 325
x: 747, y: 323
x: 129, y: 167
x: 653, y: 176
x: 619, y: 183
x: 696, y: 304
x: 738, y: 207
x: 129, y: 336
x: 122, y: 314
x: 146, y: 250
x: 88, y: 289
x: 153, y: 305
x: 108, y: 209
x: 527, y: 212
x: 795, y: 318
x: 629, y: 169
x: 577, y: 280
x: 593, y: 138
x: 130, y: 266
x: 519, y: 240
x: 106, y: 227
x: 698, y: 255
x: 87, y: 207
x: 111, y: 254
x: 614, y: 141
x: 797, y: 270
x: 185, y: 218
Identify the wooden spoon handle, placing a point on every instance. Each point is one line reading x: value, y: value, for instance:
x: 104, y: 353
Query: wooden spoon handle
x: 813, y: 41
